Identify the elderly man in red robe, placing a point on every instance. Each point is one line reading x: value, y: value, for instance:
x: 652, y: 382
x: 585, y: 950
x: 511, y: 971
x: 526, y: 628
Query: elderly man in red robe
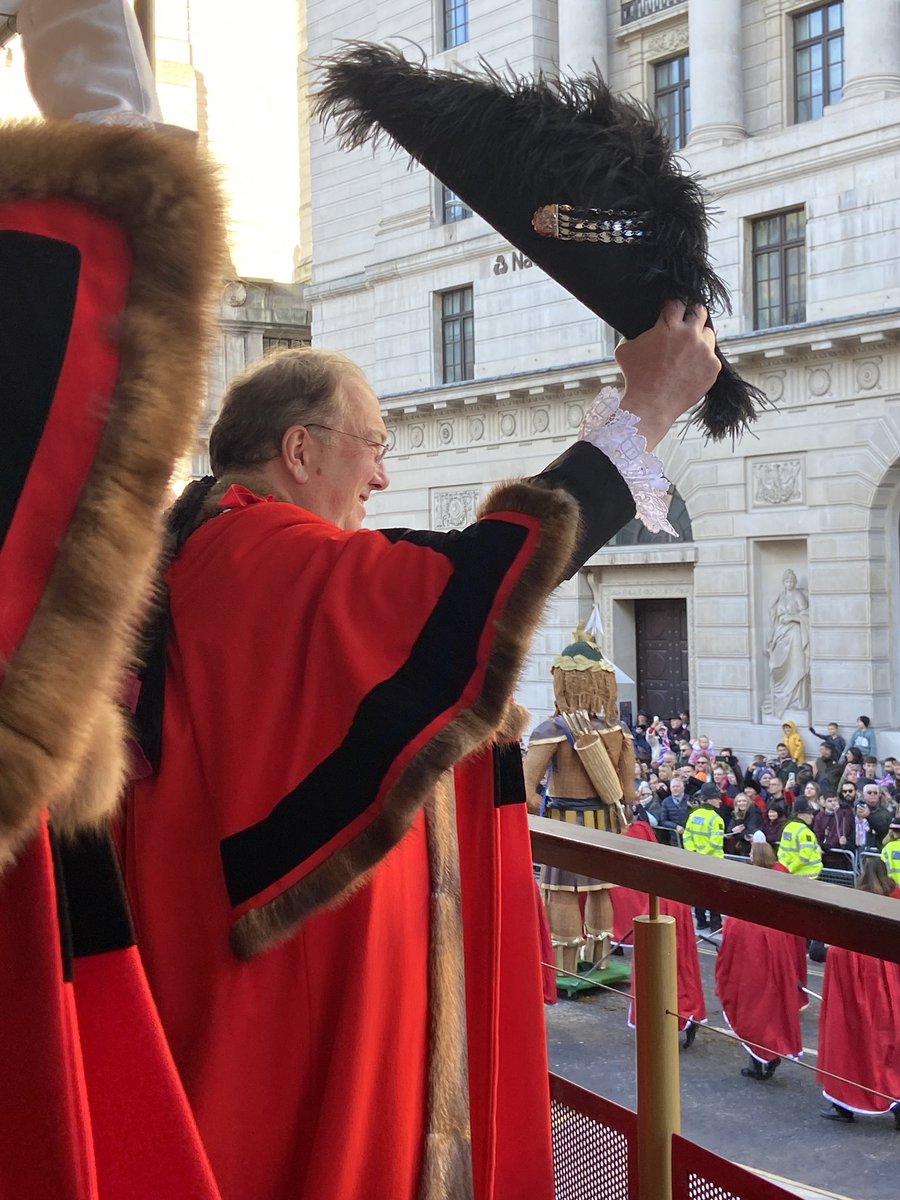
x: 303, y: 864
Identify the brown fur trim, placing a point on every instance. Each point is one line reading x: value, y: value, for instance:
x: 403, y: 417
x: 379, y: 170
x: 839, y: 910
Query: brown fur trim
x: 447, y: 1164
x: 515, y: 723
x: 101, y: 775
x: 56, y: 697
x: 339, y: 875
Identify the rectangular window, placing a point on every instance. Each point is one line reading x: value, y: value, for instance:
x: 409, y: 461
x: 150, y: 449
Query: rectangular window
x: 452, y: 208
x: 779, y: 269
x: 672, y: 98
x: 818, y: 60
x: 457, y: 336
x: 456, y: 22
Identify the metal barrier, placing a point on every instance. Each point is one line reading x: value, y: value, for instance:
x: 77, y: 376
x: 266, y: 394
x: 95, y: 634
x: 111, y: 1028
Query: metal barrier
x: 838, y: 875
x: 593, y: 1145
x: 668, y: 835
x: 697, y: 1174
x: 840, y: 860
x: 862, y: 855
x: 594, y: 1154
x: 835, y: 875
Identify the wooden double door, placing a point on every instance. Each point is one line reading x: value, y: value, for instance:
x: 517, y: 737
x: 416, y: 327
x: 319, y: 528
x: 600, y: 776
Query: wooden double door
x: 661, y: 634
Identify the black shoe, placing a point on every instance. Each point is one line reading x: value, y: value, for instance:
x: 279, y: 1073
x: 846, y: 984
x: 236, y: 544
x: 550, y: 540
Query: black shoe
x: 690, y: 1035
x: 837, y: 1112
x: 770, y: 1068
x: 895, y: 1109
x: 716, y: 928
x: 754, y: 1071
x: 703, y: 924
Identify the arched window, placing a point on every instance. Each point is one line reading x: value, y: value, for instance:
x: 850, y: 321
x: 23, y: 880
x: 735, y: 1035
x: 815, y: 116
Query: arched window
x: 636, y: 534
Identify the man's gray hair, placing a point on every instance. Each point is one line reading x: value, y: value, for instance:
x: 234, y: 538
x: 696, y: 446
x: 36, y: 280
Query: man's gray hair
x: 286, y: 388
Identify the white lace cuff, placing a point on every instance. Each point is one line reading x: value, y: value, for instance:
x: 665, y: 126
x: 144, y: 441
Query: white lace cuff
x: 614, y: 431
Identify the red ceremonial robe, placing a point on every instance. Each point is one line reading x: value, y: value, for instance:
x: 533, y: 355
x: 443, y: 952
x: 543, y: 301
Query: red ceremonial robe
x: 91, y: 1107
x: 317, y: 679
x: 629, y: 903
x: 858, y: 1031
x: 758, y: 983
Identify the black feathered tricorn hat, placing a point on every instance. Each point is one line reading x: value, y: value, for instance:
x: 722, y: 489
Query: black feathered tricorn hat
x: 622, y: 227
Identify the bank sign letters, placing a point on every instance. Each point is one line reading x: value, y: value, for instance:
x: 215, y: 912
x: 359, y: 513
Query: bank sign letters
x: 516, y: 261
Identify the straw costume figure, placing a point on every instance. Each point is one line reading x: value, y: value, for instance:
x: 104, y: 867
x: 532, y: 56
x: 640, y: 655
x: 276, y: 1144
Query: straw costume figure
x: 587, y: 757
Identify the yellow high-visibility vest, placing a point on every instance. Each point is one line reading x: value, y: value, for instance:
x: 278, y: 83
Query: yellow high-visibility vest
x: 890, y: 856
x: 704, y: 832
x: 799, y: 849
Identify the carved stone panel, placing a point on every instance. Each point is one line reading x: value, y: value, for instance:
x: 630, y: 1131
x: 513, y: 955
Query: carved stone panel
x: 454, y: 507
x: 540, y: 420
x: 668, y: 41
x: 868, y: 374
x: 777, y: 481
x: 574, y: 415
x: 818, y: 380
x: 773, y: 385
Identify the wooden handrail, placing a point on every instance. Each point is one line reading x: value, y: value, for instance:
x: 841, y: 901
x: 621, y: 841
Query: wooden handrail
x: 829, y: 913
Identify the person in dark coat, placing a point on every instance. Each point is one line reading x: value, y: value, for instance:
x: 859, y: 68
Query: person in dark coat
x: 866, y: 834
x: 744, y: 821
x: 675, y: 808
x: 832, y: 826
x: 774, y: 822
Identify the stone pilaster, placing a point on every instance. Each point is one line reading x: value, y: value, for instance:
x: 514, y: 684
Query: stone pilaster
x: 871, y: 48
x: 583, y: 37
x: 717, y: 86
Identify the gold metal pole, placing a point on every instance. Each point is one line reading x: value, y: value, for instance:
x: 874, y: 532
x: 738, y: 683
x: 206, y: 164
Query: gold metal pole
x: 658, y: 1094
x: 145, y: 11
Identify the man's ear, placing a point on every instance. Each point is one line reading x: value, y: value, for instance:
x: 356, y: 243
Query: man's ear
x: 295, y: 449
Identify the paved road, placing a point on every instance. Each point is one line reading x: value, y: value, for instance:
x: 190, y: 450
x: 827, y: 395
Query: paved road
x: 772, y: 1126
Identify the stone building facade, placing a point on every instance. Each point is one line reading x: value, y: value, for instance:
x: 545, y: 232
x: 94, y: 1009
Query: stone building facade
x: 794, y: 125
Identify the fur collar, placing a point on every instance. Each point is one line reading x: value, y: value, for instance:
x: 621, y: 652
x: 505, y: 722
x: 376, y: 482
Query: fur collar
x: 61, y: 735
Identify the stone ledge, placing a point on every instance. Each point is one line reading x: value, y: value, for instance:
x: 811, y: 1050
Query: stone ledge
x: 646, y: 555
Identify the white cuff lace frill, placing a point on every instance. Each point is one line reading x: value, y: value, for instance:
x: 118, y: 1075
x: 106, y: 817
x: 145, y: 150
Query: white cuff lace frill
x: 614, y: 431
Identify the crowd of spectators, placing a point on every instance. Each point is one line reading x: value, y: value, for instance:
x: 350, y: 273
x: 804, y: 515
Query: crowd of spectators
x: 846, y: 799
x: 839, y: 812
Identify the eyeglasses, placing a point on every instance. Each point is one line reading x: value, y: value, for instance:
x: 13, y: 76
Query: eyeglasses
x: 380, y: 448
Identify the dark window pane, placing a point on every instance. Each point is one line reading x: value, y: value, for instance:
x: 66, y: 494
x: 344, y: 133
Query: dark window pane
x: 779, y: 269
x: 452, y: 208
x: 456, y: 22
x: 672, y: 98
x: 818, y: 60
x: 457, y: 335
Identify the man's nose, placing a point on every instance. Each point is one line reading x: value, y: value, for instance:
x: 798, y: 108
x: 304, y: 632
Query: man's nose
x: 381, y: 479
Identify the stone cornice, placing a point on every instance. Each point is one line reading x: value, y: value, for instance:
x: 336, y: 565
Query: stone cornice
x: 795, y: 152
x: 757, y: 352
x: 834, y: 337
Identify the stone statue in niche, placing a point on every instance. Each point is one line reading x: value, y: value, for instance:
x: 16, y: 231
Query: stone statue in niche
x: 788, y: 648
